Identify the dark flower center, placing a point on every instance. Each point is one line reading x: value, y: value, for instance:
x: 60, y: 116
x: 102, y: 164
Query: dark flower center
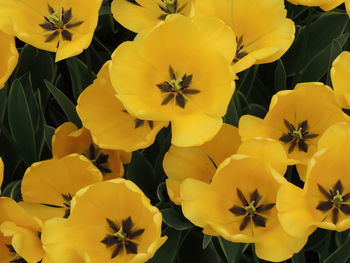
x: 176, y: 88
x: 239, y: 52
x: 67, y: 198
x: 251, y: 210
x: 297, y: 136
x: 170, y: 7
x: 17, y: 258
x: 99, y: 159
x: 59, y: 23
x: 335, y: 201
x: 122, y: 237
x: 140, y: 123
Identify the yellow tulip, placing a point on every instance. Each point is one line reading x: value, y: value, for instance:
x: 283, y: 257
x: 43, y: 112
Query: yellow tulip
x: 19, y: 238
x: 297, y: 118
x: 69, y: 139
x: 110, y: 221
x: 178, y: 72
x: 262, y: 29
x: 8, y: 57
x: 147, y: 13
x: 340, y: 79
x: 111, y: 126
x: 54, y: 182
x: 239, y: 205
x: 325, y: 199
x: 64, y: 26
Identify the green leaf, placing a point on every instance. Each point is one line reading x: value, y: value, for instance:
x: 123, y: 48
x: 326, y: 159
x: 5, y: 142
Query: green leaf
x: 66, y: 105
x: 231, y: 250
x: 48, y: 133
x: 313, y: 38
x: 174, y: 219
x: 280, y: 76
x: 206, y: 241
x: 299, y: 258
x: 341, y: 255
x: 21, y: 124
x: 162, y: 192
x: 319, y: 65
x: 13, y: 190
x: 141, y: 172
x: 167, y: 253
x: 81, y: 76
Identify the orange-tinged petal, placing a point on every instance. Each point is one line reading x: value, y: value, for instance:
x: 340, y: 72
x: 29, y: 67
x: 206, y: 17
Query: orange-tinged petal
x: 45, y: 182
x: 1, y: 173
x: 25, y: 242
x: 115, y: 200
x: 331, y: 5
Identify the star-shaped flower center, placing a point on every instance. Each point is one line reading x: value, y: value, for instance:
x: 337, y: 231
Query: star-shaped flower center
x: 170, y: 7
x: 100, y: 160
x: 239, y: 52
x: 251, y: 210
x: 177, y: 88
x: 297, y: 136
x: 67, y: 198
x: 59, y: 23
x: 335, y: 201
x: 123, y: 237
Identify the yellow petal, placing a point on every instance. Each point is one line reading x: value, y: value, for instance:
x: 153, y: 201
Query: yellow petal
x: 134, y: 17
x: 8, y: 57
x: 194, y: 129
x: 59, y: 243
x: 331, y: 5
x: 116, y: 200
x: 251, y: 126
x: 203, y: 206
x: 45, y: 182
x: 339, y: 74
x: 68, y: 139
x: 43, y: 212
x: 293, y: 211
x: 111, y: 127
x: 276, y: 245
x: 260, y: 42
x: 25, y: 242
x: 12, y: 212
x: 269, y: 150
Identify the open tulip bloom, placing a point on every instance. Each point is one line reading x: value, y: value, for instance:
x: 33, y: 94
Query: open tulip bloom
x: 188, y: 80
x: 239, y: 205
x: 325, y: 199
x: 64, y: 26
x: 110, y: 221
x: 296, y: 120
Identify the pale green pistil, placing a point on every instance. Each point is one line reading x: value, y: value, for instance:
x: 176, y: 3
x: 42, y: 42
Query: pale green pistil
x: 251, y: 208
x: 298, y: 134
x: 120, y: 234
x: 56, y: 20
x: 170, y: 6
x: 338, y: 199
x: 176, y: 84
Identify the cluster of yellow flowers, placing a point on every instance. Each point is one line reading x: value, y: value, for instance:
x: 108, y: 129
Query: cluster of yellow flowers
x: 180, y: 69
